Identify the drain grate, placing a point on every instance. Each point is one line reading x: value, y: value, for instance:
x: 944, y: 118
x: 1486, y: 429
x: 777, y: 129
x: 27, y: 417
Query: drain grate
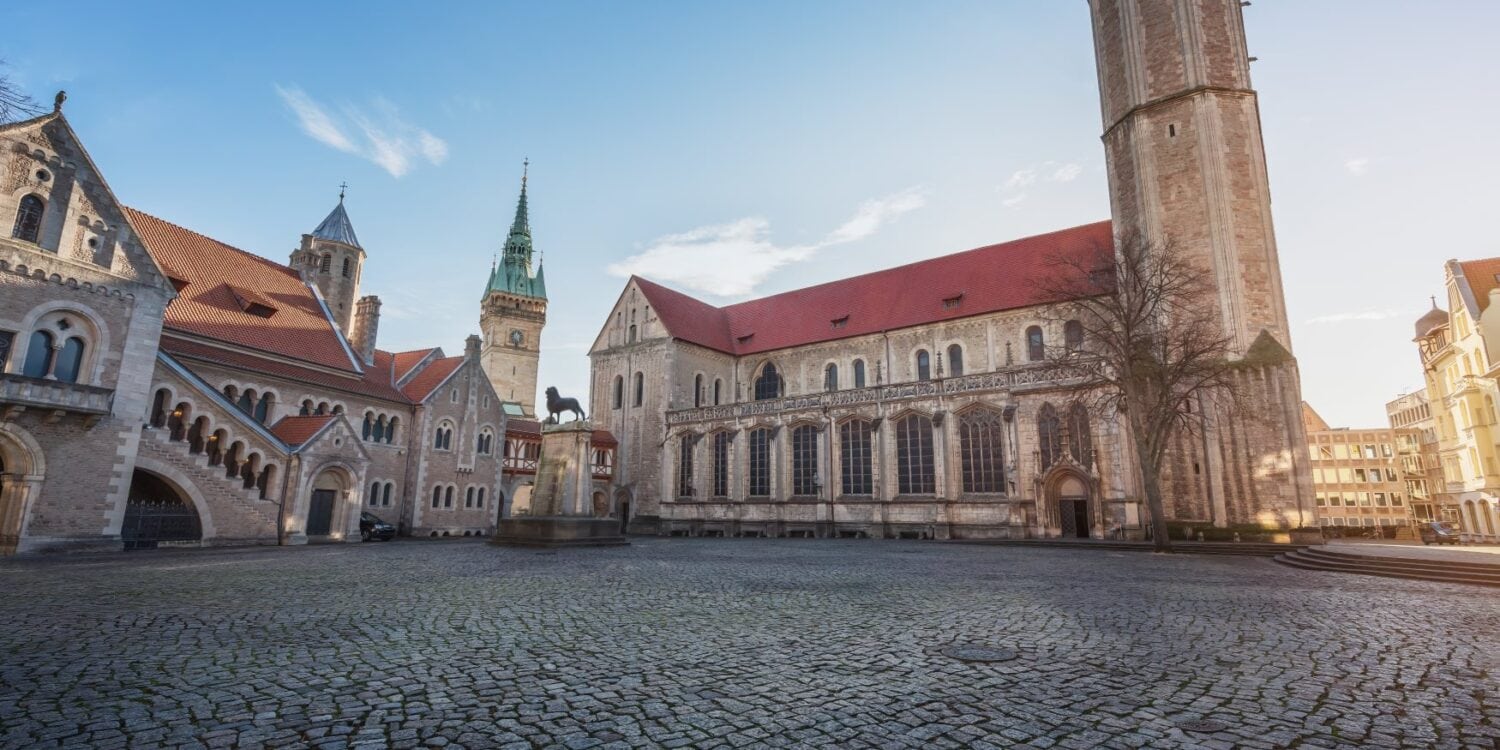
x: 1203, y: 726
x: 981, y: 654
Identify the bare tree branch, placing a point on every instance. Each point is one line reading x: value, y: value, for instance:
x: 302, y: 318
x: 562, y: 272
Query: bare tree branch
x: 14, y: 103
x: 1145, y: 331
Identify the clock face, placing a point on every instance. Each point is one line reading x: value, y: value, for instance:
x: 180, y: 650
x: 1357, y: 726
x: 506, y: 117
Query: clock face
x: 516, y: 337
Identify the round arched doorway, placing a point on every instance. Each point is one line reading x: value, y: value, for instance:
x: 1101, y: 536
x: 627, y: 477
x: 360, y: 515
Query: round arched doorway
x: 156, y: 512
x: 323, y: 506
x: 1072, y: 498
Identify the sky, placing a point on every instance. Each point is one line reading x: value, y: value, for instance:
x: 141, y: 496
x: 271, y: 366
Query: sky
x: 733, y: 150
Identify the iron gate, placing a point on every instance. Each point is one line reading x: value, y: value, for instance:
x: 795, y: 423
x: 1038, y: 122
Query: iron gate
x: 148, y: 522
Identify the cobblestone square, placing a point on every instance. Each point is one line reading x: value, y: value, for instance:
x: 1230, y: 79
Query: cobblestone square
x: 734, y: 643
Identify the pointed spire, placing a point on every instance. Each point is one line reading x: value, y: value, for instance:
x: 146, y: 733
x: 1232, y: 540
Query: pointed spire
x: 512, y: 272
x: 337, y: 226
x: 521, y: 225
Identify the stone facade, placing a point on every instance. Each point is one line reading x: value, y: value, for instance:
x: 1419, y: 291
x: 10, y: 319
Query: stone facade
x: 1186, y: 167
x: 120, y: 417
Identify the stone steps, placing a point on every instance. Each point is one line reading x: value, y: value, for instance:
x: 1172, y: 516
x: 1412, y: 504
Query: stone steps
x: 1243, y: 549
x: 1480, y: 574
x: 195, y: 465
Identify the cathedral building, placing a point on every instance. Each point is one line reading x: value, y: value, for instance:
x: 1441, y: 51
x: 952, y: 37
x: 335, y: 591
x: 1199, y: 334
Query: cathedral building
x: 160, y: 387
x: 919, y: 401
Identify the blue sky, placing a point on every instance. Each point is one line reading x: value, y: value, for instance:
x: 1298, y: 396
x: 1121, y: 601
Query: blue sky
x: 739, y: 149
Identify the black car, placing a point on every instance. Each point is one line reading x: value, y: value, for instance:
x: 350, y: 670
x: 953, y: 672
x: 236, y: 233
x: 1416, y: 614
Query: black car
x: 371, y: 527
x: 1437, y: 532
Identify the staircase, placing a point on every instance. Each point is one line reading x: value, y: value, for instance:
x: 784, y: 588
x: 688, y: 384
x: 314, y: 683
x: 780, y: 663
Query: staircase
x: 1245, y: 549
x: 1446, y: 571
x: 238, y: 510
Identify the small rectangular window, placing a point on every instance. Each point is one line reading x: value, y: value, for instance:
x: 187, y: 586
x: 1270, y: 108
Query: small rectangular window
x: 950, y: 303
x: 840, y: 322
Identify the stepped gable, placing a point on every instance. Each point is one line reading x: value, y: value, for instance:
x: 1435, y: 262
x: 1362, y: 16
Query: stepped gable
x: 984, y: 280
x: 240, y: 298
x: 297, y: 430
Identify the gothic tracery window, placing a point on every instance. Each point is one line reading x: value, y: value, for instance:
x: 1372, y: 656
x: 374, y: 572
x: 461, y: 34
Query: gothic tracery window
x: 914, y: 465
x: 685, y: 466
x: 805, y: 460
x: 759, y: 474
x: 768, y: 385
x: 1049, y: 435
x: 831, y: 377
x: 980, y: 434
x: 1080, y: 439
x: 855, y: 458
x: 721, y: 464
x: 29, y: 219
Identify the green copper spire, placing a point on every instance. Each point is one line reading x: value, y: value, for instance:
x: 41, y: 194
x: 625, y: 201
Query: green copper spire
x: 513, y: 274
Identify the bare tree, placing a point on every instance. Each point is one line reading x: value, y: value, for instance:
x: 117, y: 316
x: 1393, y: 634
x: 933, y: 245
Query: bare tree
x: 14, y: 103
x: 1142, y: 329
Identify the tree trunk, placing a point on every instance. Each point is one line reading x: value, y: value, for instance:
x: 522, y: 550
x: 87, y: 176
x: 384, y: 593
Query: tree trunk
x: 1151, y: 479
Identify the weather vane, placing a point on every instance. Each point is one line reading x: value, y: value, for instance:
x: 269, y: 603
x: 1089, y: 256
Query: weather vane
x: 342, y: 187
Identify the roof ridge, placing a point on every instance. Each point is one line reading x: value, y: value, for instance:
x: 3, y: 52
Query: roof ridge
x: 255, y: 256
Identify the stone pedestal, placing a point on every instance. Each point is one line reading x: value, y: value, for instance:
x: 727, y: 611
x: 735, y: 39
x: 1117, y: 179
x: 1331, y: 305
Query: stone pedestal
x: 561, y: 507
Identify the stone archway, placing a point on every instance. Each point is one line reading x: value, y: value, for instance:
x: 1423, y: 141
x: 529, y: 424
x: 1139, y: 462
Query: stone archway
x: 1068, y: 497
x: 329, y: 489
x: 158, y: 512
x: 622, y: 508
x: 22, y: 469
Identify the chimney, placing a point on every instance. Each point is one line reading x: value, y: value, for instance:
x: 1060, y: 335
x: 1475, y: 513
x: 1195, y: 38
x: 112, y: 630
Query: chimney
x: 366, y: 324
x: 471, y: 347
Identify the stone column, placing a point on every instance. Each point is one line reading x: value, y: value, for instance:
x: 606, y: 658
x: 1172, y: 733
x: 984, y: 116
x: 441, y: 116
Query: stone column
x: 562, y: 513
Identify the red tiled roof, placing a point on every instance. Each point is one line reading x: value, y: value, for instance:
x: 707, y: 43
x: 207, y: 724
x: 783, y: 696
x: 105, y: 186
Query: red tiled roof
x: 532, y: 429
x: 375, y: 381
x: 407, y: 360
x: 209, y: 306
x: 989, y: 279
x: 1481, y: 275
x: 295, y: 431
x: 431, y: 376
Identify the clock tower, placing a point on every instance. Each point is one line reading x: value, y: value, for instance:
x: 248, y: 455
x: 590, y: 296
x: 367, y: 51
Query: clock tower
x: 512, y: 314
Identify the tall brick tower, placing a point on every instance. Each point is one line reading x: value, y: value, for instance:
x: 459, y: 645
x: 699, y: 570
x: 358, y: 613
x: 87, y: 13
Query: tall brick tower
x: 512, y: 314
x: 1187, y: 167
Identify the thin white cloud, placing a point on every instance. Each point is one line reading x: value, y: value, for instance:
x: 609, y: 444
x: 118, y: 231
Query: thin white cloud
x: 1358, y: 166
x: 1066, y: 173
x: 377, y: 134
x: 1350, y: 317
x: 730, y: 260
x: 1013, y: 201
x: 1020, y: 179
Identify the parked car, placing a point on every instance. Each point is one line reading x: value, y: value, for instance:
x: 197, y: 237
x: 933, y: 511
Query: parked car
x: 1437, y: 532
x: 371, y: 527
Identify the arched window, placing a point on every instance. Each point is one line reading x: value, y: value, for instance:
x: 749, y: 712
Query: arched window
x: 195, y: 437
x: 29, y: 219
x: 307, y: 408
x: 69, y: 360
x: 346, y: 267
x: 631, y: 340
x: 697, y: 391
x: 859, y: 373
x: 640, y: 389
x: 263, y: 408
x: 914, y: 467
x: 379, y: 429
x: 247, y: 401
x: 231, y: 393
x: 831, y: 377
x: 685, y: 466
x: 1073, y: 335
x: 1080, y: 439
x: 159, y: 408
x: 982, y: 456
x: 1048, y: 435
x: 326, y: 264
x: 385, y: 495
x: 955, y: 360
x: 924, y: 365
x: 216, y: 447
x: 369, y: 426
x: 469, y: 497
x: 448, y: 497
x: 721, y: 464
x: 479, y: 502
x: 437, y: 497
x: 390, y: 429
x: 759, y: 475
x: 232, y: 460
x: 38, y: 356
x: 263, y: 481
x: 768, y: 385
x: 374, y: 497
x: 718, y: 391
x: 1036, y: 349
x: 619, y: 391
x: 805, y: 461
x: 857, y: 467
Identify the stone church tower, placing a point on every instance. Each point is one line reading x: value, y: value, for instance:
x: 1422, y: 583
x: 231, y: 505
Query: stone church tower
x: 1187, y: 169
x: 331, y: 258
x: 512, y: 315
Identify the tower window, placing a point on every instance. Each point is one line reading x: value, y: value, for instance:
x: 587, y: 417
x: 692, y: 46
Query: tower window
x: 1172, y: 130
x: 346, y: 268
x: 326, y: 263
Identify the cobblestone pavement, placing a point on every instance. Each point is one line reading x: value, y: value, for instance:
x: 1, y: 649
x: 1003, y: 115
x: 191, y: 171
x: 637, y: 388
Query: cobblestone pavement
x: 734, y: 643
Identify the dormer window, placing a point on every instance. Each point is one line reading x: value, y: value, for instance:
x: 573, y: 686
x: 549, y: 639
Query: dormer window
x: 951, y: 303
x: 745, y: 338
x: 840, y: 322
x: 249, y: 301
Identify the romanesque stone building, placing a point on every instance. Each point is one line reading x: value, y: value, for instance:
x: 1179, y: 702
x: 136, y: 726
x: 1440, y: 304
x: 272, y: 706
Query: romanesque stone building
x: 159, y: 386
x: 918, y: 401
